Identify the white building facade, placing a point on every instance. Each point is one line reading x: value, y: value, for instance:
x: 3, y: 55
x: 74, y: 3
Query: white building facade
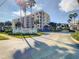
x: 74, y: 25
x: 31, y: 23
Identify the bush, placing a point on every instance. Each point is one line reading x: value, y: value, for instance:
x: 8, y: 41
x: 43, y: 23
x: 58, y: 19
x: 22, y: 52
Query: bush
x: 3, y: 38
x: 76, y: 35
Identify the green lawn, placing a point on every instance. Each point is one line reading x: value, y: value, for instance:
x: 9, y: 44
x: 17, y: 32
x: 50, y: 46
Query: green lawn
x: 28, y: 35
x: 19, y: 35
x: 3, y: 38
x: 75, y: 35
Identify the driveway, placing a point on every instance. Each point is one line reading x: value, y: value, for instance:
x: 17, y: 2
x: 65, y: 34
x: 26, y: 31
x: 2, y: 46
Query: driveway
x: 52, y: 46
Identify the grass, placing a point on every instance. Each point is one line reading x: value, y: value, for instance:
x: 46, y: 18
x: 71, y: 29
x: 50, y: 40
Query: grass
x: 28, y: 35
x: 19, y: 35
x: 3, y: 38
x: 76, y: 35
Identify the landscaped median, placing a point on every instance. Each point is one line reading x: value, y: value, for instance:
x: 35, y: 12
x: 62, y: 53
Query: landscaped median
x: 76, y: 36
x: 19, y: 35
x: 27, y: 35
x: 3, y: 38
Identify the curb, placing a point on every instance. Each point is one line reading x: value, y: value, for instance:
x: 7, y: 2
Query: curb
x: 77, y: 42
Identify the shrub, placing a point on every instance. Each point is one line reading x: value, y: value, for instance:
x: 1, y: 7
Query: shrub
x: 76, y: 35
x: 3, y: 38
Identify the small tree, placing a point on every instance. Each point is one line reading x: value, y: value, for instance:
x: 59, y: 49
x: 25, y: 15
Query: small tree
x: 1, y: 24
x: 18, y: 24
x: 36, y: 22
x: 53, y: 26
x: 8, y: 23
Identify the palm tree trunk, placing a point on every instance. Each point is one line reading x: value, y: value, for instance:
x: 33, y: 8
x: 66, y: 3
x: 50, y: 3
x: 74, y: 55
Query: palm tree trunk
x: 74, y: 24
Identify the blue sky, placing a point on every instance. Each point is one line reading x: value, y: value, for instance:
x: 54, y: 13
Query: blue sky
x: 57, y: 9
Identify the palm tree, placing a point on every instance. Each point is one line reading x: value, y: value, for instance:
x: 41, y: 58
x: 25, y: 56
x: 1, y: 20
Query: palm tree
x: 69, y: 20
x: 73, y: 16
x: 70, y: 16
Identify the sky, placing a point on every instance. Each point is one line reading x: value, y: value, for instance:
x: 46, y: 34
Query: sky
x: 58, y: 10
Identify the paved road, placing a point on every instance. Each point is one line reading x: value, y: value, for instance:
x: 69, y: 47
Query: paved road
x: 52, y: 46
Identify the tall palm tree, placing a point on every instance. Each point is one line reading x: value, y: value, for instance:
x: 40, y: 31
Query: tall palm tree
x: 69, y: 20
x: 73, y: 16
x: 70, y: 16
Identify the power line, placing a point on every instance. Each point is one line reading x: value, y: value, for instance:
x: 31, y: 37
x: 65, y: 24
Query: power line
x: 3, y: 3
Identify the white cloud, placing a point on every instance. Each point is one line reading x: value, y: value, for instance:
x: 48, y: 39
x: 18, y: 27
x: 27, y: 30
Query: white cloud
x: 20, y: 13
x: 68, y: 5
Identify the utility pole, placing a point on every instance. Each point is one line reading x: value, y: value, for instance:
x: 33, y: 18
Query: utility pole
x: 25, y: 5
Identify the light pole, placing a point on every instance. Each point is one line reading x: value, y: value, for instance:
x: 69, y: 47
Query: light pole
x: 24, y: 5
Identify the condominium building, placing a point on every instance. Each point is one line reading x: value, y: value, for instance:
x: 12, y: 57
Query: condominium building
x: 74, y: 25
x: 31, y: 23
x: 41, y: 18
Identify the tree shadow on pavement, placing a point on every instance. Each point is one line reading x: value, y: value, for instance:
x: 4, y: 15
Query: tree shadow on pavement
x: 42, y: 51
x: 74, y: 45
x: 74, y: 55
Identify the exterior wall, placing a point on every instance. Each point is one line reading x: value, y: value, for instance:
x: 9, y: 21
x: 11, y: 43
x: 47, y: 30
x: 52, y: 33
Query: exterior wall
x: 78, y: 27
x: 74, y: 25
x: 43, y: 19
x: 28, y: 24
